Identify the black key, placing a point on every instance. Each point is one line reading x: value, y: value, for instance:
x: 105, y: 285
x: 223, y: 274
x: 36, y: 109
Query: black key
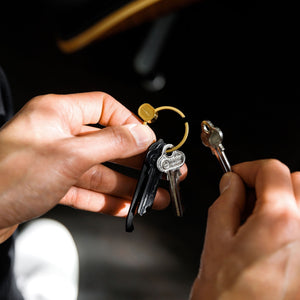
x: 147, y: 184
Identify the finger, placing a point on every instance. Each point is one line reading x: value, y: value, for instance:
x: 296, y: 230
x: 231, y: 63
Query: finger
x: 296, y: 186
x: 183, y: 171
x: 87, y: 129
x: 102, y: 179
x: 99, y: 107
x: 107, y: 204
x: 107, y: 144
x: 224, y: 217
x: 135, y: 161
x: 74, y: 111
x: 96, y: 202
x: 271, y: 180
x: 107, y: 181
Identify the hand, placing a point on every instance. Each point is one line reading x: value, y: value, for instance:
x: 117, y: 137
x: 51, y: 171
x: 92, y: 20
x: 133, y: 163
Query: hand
x: 48, y: 155
x: 256, y: 258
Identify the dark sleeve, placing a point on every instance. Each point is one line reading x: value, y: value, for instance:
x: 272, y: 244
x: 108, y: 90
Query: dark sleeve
x: 8, y: 288
x: 6, y: 104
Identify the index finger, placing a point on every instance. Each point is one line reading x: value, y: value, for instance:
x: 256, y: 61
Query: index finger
x: 99, y: 107
x: 271, y: 180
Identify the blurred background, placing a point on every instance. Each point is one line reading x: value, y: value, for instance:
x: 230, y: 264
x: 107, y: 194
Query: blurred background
x: 235, y: 63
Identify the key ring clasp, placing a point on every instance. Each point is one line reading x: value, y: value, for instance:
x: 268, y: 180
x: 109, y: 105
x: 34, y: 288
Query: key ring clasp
x: 149, y: 114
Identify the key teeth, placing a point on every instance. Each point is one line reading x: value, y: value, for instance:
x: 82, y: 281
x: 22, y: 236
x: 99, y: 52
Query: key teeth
x: 145, y: 209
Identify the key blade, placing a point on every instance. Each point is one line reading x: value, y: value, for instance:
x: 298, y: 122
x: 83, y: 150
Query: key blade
x: 153, y: 177
x: 223, y: 161
x: 138, y: 202
x: 149, y: 192
x: 173, y: 177
x: 136, y: 199
x: 170, y: 164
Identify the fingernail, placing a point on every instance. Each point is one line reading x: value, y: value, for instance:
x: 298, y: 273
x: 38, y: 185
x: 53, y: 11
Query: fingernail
x: 143, y: 134
x: 225, y: 182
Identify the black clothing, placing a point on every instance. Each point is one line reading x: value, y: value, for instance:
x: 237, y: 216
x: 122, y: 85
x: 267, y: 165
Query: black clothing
x: 6, y: 107
x: 8, y: 288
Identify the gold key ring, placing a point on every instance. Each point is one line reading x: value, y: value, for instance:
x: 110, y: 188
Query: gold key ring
x: 149, y: 114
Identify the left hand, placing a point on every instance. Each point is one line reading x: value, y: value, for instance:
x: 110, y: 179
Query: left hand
x: 48, y: 155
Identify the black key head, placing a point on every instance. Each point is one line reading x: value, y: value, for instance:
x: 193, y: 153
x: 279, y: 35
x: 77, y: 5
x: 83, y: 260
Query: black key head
x: 147, y: 184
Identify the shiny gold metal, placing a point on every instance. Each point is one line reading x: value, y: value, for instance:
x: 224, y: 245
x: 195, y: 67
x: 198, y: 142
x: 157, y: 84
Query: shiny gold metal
x: 149, y: 114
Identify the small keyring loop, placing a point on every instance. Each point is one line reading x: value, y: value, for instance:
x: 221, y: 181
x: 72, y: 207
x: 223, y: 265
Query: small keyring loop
x: 186, y: 124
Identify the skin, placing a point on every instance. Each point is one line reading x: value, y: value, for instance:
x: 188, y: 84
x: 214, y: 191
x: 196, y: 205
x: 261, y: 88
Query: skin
x: 49, y: 156
x: 255, y: 257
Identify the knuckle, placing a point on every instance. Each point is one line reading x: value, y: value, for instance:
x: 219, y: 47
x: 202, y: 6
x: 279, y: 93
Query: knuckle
x: 285, y: 224
x: 274, y: 163
x: 41, y: 101
x: 44, y: 105
x: 96, y: 178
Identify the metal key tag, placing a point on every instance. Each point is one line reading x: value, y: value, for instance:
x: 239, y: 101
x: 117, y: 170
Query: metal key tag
x: 170, y: 164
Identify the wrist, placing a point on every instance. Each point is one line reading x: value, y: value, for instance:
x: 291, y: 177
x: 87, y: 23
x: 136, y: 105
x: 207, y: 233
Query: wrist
x: 6, y: 233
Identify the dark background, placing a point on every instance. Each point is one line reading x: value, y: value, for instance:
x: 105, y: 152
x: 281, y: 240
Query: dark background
x: 236, y: 64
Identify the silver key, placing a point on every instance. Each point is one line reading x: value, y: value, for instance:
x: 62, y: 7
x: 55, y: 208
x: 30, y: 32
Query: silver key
x: 212, y: 137
x: 170, y: 164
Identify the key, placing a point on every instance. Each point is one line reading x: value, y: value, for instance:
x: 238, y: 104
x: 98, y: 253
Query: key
x: 147, y: 185
x: 170, y: 164
x: 212, y: 137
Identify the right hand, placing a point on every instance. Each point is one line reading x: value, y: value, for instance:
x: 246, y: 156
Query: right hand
x: 257, y: 258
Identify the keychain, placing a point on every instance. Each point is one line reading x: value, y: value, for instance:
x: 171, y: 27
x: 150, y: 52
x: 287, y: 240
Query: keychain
x: 160, y: 158
x: 149, y: 114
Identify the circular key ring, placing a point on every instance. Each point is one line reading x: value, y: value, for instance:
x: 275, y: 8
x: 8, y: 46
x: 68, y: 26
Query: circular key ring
x: 149, y: 114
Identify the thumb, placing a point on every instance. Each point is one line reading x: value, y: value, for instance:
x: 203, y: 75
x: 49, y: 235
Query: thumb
x: 111, y: 143
x: 226, y: 212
